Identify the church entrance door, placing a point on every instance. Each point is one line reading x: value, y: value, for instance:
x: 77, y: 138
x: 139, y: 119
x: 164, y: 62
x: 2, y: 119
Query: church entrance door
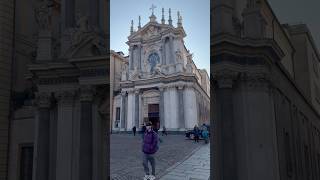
x: 153, y: 115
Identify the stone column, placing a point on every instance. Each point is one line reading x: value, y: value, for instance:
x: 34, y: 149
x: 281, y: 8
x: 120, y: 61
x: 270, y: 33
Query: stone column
x: 42, y: 137
x: 190, y: 106
x: 181, y: 118
x: 171, y: 105
x: 123, y: 110
x: 65, y: 138
x: 85, y: 160
x: 136, y: 117
x: 162, y: 119
x: 131, y: 110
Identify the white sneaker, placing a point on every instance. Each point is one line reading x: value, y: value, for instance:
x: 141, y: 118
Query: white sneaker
x: 152, y: 177
x: 146, y: 177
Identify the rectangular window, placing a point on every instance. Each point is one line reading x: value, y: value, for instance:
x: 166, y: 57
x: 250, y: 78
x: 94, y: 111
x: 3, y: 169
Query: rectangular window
x: 26, y: 162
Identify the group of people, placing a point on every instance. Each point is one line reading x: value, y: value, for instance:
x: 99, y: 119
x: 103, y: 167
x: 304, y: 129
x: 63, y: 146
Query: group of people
x: 134, y: 130
x: 203, y: 131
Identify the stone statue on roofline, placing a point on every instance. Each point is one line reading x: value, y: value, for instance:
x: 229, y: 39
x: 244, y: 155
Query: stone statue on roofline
x: 43, y: 14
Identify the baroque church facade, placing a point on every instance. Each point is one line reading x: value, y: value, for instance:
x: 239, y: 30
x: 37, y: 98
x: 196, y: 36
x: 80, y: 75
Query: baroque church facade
x: 54, y: 89
x: 160, y: 82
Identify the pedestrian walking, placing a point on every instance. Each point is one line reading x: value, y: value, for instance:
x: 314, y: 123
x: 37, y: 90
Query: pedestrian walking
x: 205, y: 135
x: 134, y: 129
x: 164, y: 131
x: 150, y: 147
x: 196, y: 133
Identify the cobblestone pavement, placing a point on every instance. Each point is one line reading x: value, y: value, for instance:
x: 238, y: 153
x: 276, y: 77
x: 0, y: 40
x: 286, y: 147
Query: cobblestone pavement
x: 126, y: 155
x: 196, y: 167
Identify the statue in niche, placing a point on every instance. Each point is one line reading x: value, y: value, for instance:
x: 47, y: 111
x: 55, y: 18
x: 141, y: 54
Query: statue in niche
x: 82, y: 22
x: 178, y: 56
x: 82, y: 28
x: 189, y: 67
x: 158, y: 70
x: 43, y: 14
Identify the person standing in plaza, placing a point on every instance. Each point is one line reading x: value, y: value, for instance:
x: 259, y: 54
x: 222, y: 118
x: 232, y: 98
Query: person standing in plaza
x: 134, y: 129
x: 149, y: 148
x: 164, y: 131
x: 196, y: 133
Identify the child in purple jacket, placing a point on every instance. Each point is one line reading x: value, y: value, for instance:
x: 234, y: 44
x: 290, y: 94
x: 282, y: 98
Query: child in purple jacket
x: 149, y: 148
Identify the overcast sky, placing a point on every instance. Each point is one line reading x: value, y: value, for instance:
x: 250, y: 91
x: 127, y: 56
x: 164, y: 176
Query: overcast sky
x: 196, y: 23
x: 299, y: 11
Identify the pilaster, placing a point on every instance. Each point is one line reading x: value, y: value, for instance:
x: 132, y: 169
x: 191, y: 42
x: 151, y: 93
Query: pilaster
x: 86, y: 140
x: 131, y: 60
x: 136, y: 117
x: 131, y: 110
x: 223, y: 15
x: 42, y: 137
x: 162, y: 118
x: 224, y: 138
x: 181, y: 117
x: 254, y: 23
x: 123, y: 110
x: 64, y: 139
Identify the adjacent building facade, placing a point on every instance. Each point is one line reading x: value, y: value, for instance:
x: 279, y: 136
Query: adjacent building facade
x: 160, y: 82
x: 266, y: 88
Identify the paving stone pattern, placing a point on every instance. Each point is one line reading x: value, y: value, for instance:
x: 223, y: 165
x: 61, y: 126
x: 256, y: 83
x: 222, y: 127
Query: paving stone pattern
x: 196, y: 167
x: 126, y: 155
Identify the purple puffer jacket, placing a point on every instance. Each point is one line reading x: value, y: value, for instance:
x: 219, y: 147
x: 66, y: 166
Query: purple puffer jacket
x: 150, y: 142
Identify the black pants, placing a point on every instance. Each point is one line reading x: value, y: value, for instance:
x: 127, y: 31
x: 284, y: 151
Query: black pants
x: 196, y: 138
x: 134, y: 133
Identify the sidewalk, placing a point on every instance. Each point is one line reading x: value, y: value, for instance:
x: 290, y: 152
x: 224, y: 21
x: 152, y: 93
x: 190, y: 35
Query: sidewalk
x: 196, y: 167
